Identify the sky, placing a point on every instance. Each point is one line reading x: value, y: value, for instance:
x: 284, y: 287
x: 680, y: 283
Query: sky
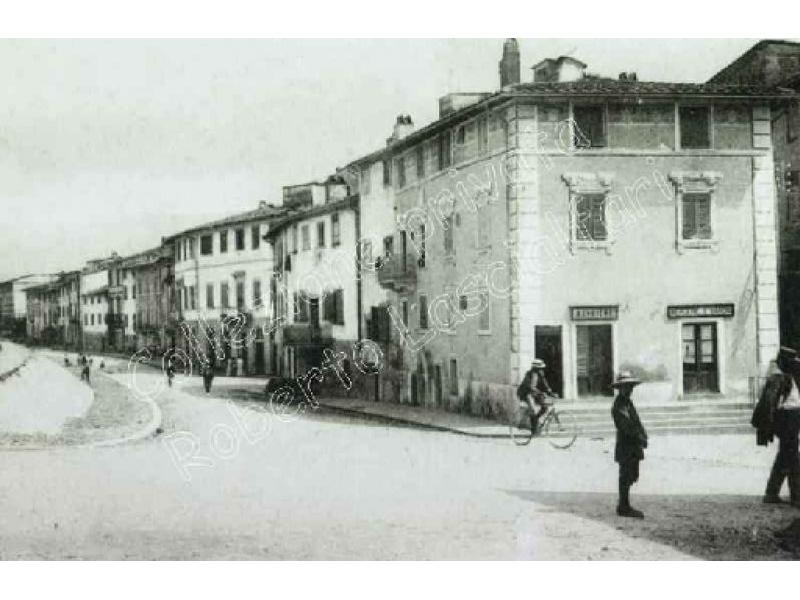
x: 108, y: 145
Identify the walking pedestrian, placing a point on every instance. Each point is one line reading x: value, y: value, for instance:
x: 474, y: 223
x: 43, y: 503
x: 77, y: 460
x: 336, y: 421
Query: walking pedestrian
x: 85, y: 374
x: 631, y: 441
x: 777, y: 414
x: 208, y: 377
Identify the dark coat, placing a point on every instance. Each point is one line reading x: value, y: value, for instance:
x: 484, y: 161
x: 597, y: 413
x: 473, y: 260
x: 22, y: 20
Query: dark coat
x: 533, y: 384
x: 777, y: 387
x: 631, y: 435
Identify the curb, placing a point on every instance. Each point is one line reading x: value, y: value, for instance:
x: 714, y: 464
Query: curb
x: 147, y: 431
x: 411, y: 423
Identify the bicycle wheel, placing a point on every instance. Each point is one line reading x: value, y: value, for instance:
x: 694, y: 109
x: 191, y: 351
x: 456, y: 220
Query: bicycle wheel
x: 519, y: 429
x: 561, y: 430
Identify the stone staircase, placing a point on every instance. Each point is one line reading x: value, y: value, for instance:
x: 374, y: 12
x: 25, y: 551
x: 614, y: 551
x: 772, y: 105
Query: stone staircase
x: 703, y: 415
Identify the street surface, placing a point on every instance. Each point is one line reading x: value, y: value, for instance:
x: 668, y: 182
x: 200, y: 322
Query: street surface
x: 229, y: 480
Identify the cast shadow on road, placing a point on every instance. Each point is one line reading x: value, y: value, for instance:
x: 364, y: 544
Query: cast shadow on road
x: 709, y: 527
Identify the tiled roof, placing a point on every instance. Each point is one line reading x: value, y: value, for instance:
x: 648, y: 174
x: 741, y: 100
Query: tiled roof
x: 310, y: 211
x: 269, y: 211
x: 616, y: 87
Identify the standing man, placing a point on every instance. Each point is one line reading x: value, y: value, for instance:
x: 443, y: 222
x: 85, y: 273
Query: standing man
x: 535, y: 385
x: 778, y: 414
x: 631, y: 441
x: 208, y: 376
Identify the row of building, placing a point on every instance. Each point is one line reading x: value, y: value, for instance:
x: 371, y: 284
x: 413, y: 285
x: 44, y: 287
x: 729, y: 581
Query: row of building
x: 597, y: 223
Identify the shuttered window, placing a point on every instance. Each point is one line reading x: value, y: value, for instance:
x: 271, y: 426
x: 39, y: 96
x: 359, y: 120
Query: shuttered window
x: 423, y: 311
x: 696, y: 216
x: 591, y: 217
x: 590, y: 126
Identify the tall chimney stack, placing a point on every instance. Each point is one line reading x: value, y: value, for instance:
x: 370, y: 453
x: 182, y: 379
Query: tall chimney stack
x: 509, y: 64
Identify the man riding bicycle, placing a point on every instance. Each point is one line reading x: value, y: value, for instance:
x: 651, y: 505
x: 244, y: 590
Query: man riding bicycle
x: 534, y: 385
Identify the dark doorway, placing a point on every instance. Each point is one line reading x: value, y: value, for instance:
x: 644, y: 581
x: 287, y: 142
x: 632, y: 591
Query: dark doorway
x: 438, y: 385
x: 313, y: 312
x: 548, y: 348
x: 700, y: 364
x: 258, y: 367
x: 595, y: 360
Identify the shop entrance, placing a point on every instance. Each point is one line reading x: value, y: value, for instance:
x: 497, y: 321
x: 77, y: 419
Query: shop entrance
x: 595, y: 355
x: 700, y: 363
x: 547, y: 340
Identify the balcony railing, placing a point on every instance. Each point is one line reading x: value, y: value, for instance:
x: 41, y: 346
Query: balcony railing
x: 398, y: 272
x: 306, y: 334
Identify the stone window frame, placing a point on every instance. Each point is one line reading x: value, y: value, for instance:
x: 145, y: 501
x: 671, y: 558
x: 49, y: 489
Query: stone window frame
x: 695, y: 182
x: 579, y: 184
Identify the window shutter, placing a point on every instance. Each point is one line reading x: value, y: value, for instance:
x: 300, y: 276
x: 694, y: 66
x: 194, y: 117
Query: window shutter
x: 689, y: 222
x: 702, y: 216
x: 598, y: 218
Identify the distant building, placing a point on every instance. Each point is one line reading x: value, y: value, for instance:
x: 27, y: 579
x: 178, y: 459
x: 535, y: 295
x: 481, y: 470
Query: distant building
x: 316, y: 288
x: 94, y: 284
x: 141, y: 301
x: 222, y: 272
x: 13, y: 303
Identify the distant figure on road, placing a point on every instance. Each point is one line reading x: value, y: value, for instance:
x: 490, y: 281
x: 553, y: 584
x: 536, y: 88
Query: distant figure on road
x: 631, y: 441
x: 66, y: 361
x: 170, y: 373
x: 778, y: 414
x: 208, y: 377
x: 85, y: 374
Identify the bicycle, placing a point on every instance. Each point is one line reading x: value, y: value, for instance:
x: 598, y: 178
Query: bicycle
x: 560, y: 429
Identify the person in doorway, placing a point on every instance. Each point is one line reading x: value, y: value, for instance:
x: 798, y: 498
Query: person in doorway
x: 631, y: 441
x: 208, y: 377
x: 534, y: 386
x: 777, y: 414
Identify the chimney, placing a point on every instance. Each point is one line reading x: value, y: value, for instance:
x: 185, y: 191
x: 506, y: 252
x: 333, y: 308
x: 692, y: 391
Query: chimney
x: 402, y: 127
x: 262, y: 204
x: 509, y: 64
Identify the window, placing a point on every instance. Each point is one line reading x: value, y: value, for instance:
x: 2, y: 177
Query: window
x: 206, y: 245
x: 484, y: 226
x: 696, y: 217
x: 125, y: 292
x: 305, y: 237
x: 193, y: 296
x: 333, y: 307
x: 300, y: 308
x: 444, y: 150
x: 401, y: 171
x: 405, y: 312
x: 423, y: 311
x: 240, y: 295
x: 85, y: 319
x: 224, y: 300
x: 135, y: 286
x: 591, y: 216
x: 133, y: 319
x: 256, y: 293
x: 209, y: 295
x: 320, y: 234
x: 294, y: 239
x: 453, y: 377
x: 366, y: 183
x: 92, y: 319
x: 483, y: 135
x: 223, y: 241
x: 387, y: 172
x: 191, y: 248
x: 449, y: 249
x: 694, y: 126
x: 463, y: 303
x: 239, y: 239
x: 255, y: 236
x: 388, y: 246
x: 420, y: 160
x: 421, y: 261
x: 335, y: 233
x: 485, y: 319
x: 791, y: 121
x: 589, y: 124
x: 461, y: 135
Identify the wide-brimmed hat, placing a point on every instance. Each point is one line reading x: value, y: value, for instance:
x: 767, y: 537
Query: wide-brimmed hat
x: 625, y: 378
x: 787, y: 353
x: 538, y: 363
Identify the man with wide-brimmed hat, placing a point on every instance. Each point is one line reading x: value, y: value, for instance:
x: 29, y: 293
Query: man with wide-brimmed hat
x: 631, y: 441
x: 534, y: 385
x: 778, y: 414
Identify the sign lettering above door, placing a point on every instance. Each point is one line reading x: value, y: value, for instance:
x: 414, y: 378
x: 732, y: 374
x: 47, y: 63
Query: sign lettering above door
x: 594, y: 313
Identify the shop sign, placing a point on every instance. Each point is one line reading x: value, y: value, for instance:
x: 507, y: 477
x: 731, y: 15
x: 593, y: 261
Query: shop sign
x: 594, y: 313
x: 691, y: 311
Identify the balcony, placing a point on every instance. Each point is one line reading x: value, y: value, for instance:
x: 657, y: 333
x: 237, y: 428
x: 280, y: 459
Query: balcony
x: 308, y: 335
x: 398, y: 272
